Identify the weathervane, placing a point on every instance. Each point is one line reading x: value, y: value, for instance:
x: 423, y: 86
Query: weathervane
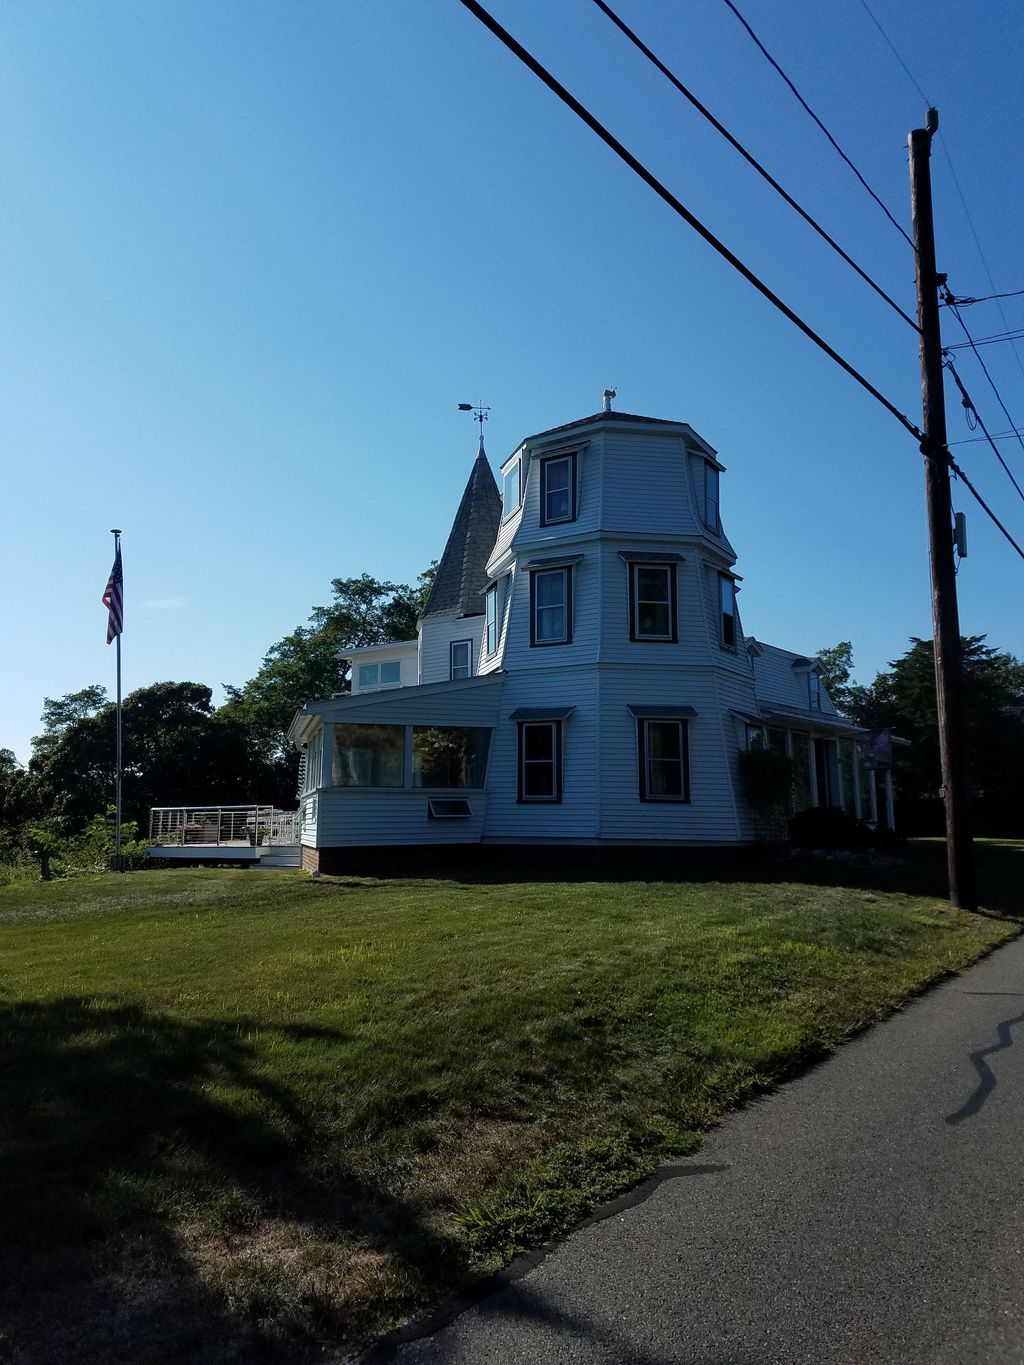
x: 480, y: 413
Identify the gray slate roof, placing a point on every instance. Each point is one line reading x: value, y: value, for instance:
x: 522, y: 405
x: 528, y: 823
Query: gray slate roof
x: 462, y: 572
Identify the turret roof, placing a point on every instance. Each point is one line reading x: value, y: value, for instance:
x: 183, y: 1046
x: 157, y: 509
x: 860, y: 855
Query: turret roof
x: 462, y: 574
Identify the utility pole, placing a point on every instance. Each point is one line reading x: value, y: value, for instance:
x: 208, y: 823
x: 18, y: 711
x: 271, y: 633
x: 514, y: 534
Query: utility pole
x: 949, y: 687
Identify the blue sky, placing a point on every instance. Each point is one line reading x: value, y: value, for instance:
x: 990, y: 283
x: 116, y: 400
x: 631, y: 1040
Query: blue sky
x: 253, y: 255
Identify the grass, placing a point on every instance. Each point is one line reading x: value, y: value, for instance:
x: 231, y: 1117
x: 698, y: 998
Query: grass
x: 248, y: 1116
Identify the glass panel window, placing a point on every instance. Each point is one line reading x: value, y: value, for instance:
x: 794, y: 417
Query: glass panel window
x: 449, y: 756
x: 814, y: 690
x: 491, y: 604
x: 369, y: 675
x: 711, y: 508
x: 391, y: 673
x: 653, y: 601
x: 550, y: 591
x: 727, y: 590
x: 540, y: 761
x: 510, y: 492
x: 757, y: 737
x: 369, y: 755
x: 461, y: 659
x: 664, y: 761
x: 558, y: 490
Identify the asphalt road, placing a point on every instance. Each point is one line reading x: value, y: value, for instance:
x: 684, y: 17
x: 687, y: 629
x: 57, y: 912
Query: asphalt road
x: 872, y: 1211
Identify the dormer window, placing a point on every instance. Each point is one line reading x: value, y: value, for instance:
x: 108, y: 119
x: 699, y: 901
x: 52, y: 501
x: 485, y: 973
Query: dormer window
x: 511, y: 491
x: 814, y: 690
x: 712, y: 519
x: 491, y: 617
x: 558, y: 489
x: 727, y: 594
x: 380, y: 675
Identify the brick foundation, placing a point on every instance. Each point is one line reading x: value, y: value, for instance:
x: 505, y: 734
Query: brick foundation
x: 310, y: 859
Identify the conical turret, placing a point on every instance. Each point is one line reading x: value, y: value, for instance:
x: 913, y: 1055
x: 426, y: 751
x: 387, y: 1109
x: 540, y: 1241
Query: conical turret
x: 462, y: 573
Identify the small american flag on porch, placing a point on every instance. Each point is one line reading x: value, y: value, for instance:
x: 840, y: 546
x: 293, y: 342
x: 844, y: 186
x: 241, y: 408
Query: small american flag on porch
x: 113, y: 599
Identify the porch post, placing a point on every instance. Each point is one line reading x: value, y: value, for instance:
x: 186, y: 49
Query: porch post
x: 812, y: 759
x: 855, y: 762
x: 873, y: 794
x: 841, y: 803
x: 890, y: 813
x: 327, y: 756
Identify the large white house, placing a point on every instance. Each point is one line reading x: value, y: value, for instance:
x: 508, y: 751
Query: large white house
x: 580, y: 674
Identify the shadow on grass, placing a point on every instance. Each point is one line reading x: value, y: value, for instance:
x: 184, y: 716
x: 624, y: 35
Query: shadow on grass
x: 122, y: 1134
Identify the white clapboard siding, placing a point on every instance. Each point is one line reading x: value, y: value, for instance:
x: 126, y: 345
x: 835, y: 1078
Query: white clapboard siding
x: 778, y: 681
x: 711, y: 813
x: 436, y: 636
x: 358, y: 817
x: 513, y: 821
x: 403, y: 652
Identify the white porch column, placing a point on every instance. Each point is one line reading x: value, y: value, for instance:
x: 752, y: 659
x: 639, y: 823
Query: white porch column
x: 890, y: 813
x: 327, y: 756
x: 873, y: 794
x: 812, y: 760
x: 856, y: 783
x: 841, y: 802
x: 789, y: 755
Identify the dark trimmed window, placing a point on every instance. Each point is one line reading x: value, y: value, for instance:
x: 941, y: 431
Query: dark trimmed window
x: 460, y: 659
x: 551, y: 606
x: 540, y: 760
x: 712, y: 515
x: 558, y: 489
x: 491, y: 617
x: 511, y: 491
x: 727, y: 595
x: 652, y: 602
x: 814, y: 690
x: 664, y: 760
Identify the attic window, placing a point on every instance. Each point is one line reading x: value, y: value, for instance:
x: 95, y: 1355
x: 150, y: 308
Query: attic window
x: 712, y: 518
x: 511, y: 492
x: 727, y: 592
x: 814, y: 690
x: 558, y: 490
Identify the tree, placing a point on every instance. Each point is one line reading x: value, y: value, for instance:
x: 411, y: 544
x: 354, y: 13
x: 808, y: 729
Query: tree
x: 836, y: 670
x: 903, y: 699
x: 308, y: 663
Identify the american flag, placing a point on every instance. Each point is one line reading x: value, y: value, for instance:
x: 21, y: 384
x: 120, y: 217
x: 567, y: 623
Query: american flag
x: 113, y: 599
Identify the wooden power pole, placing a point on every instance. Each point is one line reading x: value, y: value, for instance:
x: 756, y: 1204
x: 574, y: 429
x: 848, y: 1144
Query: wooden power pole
x: 949, y: 687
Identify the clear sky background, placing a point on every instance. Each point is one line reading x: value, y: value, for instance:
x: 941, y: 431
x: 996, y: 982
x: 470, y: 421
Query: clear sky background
x: 253, y: 255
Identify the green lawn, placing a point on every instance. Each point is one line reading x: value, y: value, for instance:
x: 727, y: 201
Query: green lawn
x: 247, y: 1115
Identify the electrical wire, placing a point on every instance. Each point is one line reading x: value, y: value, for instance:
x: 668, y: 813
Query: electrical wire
x: 985, y: 298
x: 1016, y: 335
x: 531, y: 62
x: 896, y: 224
x: 749, y: 158
x: 969, y: 407
x: 951, y: 301
x: 975, y: 440
x: 892, y: 49
x: 541, y: 72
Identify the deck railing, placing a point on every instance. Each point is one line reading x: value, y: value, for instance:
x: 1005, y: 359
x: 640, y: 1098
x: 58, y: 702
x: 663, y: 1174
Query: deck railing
x: 214, y: 826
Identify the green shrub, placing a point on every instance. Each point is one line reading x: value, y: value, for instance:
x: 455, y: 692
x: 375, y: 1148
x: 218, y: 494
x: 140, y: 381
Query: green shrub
x: 766, y: 780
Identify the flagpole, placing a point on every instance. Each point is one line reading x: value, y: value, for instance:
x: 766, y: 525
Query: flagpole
x: 117, y: 783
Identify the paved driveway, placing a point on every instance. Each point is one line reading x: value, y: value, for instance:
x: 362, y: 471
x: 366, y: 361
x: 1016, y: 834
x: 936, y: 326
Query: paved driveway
x: 871, y: 1211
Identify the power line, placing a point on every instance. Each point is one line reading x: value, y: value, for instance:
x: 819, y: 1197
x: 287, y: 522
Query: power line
x: 983, y: 504
x: 985, y: 298
x: 892, y: 49
x: 896, y: 224
x: 749, y: 158
x: 968, y: 403
x: 959, y: 188
x: 678, y: 207
x: 951, y: 301
x: 975, y: 440
x: 987, y: 341
x: 531, y: 62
